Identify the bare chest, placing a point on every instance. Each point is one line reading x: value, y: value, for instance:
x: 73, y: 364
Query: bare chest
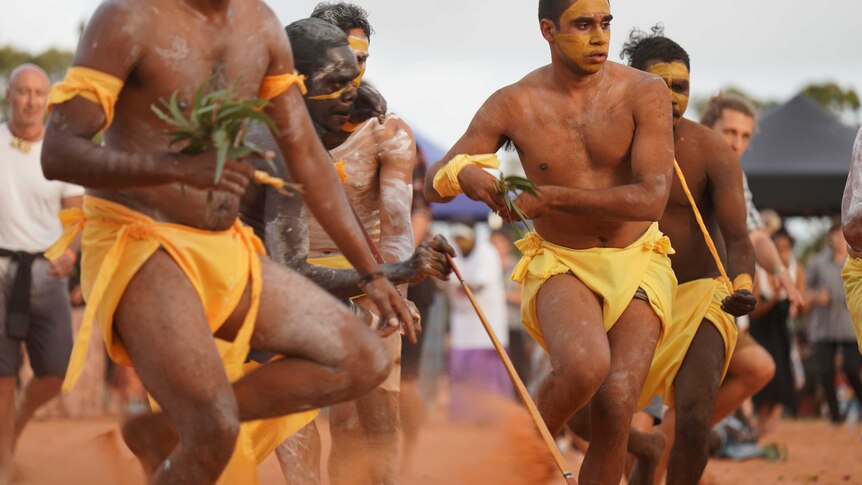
x: 572, y: 142
x: 181, y: 60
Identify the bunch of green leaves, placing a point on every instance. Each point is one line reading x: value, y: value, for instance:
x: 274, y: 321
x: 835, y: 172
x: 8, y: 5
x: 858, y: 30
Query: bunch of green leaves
x: 509, y: 187
x: 216, y: 120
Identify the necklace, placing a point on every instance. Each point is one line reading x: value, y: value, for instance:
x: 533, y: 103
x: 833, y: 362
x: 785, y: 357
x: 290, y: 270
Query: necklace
x: 21, y: 144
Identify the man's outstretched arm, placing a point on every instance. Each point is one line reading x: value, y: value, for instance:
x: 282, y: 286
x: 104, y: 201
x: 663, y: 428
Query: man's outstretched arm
x: 287, y: 236
x: 484, y: 135
x: 725, y: 184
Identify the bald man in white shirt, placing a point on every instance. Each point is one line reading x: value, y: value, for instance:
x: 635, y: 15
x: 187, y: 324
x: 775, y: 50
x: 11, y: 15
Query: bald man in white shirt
x: 34, y: 293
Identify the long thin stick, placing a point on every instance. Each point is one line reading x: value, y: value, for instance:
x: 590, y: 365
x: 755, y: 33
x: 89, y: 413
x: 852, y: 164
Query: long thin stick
x: 519, y: 385
x: 375, y: 252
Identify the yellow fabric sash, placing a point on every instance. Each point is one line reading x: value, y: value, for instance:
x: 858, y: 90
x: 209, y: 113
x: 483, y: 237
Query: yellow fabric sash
x: 852, y: 275
x: 694, y: 302
x: 272, y: 86
x: 117, y: 241
x: 446, y: 180
x: 614, y: 274
x: 265, y: 435
x: 90, y: 84
x: 706, y: 237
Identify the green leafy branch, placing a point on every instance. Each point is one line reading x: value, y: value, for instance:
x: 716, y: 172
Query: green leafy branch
x: 217, y: 120
x: 509, y: 187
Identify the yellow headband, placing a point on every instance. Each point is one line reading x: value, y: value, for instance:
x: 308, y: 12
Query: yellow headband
x: 669, y: 70
x: 357, y: 44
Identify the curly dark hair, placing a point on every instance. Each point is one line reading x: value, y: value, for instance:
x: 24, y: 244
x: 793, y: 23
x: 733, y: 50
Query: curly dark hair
x: 643, y: 47
x: 345, y: 16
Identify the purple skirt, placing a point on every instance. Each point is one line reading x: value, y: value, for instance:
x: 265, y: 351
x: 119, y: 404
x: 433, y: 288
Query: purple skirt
x: 473, y: 375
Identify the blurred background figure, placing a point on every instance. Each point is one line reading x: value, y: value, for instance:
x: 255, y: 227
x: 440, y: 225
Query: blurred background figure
x: 770, y: 328
x: 520, y: 344
x: 830, y: 329
x: 422, y: 295
x: 475, y: 368
x: 34, y: 294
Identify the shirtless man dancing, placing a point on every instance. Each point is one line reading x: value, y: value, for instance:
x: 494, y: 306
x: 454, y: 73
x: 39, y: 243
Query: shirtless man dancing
x: 596, y: 137
x: 378, y: 157
x: 704, y: 330
x: 166, y: 265
x: 378, y: 160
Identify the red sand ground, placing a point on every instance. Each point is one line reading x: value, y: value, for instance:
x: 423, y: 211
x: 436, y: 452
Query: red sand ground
x: 73, y: 452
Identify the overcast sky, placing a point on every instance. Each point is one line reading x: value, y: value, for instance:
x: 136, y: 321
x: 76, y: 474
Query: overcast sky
x: 436, y: 61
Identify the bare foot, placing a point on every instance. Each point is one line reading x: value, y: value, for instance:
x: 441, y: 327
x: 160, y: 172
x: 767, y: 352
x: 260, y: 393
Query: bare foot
x: 151, y: 438
x: 646, y: 463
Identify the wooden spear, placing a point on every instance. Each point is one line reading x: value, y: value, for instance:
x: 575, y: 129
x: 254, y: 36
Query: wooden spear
x: 519, y: 385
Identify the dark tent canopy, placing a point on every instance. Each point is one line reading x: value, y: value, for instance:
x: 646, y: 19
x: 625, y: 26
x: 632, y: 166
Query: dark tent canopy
x: 798, y: 161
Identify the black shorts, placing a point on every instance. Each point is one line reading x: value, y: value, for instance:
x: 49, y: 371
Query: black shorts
x: 49, y: 337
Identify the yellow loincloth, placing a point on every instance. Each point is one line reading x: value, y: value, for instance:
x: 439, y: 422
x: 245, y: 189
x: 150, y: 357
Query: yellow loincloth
x: 613, y: 274
x: 116, y: 242
x: 852, y: 274
x: 265, y: 435
x: 695, y: 301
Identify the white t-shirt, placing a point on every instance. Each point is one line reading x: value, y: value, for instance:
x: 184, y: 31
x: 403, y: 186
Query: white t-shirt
x: 29, y: 203
x: 482, y: 270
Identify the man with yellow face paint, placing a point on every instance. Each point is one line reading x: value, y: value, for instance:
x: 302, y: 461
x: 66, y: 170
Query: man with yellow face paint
x: 378, y: 161
x: 596, y: 138
x: 353, y: 21
x: 691, y: 362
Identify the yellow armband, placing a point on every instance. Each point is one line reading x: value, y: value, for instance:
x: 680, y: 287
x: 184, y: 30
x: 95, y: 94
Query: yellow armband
x: 272, y: 86
x: 743, y: 282
x: 90, y: 84
x: 446, y: 180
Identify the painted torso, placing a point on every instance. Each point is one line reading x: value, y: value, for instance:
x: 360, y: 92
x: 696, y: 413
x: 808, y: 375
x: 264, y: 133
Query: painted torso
x: 362, y: 153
